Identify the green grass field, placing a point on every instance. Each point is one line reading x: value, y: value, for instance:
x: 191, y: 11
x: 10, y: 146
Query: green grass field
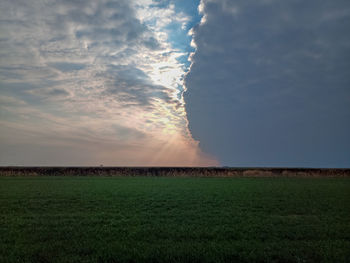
x: 149, y: 219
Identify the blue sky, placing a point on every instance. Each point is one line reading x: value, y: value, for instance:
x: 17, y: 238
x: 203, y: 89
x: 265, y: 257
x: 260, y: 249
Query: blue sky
x: 142, y: 82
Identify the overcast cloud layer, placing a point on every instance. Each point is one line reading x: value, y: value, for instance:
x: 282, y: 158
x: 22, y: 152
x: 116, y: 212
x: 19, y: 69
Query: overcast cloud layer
x: 87, y: 82
x: 270, y: 82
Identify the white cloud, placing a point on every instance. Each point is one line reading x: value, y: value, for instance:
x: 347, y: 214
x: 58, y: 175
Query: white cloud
x: 102, y: 71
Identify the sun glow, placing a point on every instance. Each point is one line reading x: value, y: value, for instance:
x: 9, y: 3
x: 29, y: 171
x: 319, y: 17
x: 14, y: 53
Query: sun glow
x: 169, y: 73
x: 168, y: 68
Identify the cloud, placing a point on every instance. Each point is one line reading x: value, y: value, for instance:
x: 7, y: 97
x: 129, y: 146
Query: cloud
x: 273, y: 78
x: 67, y: 67
x: 91, y: 79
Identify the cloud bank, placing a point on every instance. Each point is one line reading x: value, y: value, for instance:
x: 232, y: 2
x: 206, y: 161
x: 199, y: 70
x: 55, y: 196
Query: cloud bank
x: 93, y: 82
x: 269, y: 84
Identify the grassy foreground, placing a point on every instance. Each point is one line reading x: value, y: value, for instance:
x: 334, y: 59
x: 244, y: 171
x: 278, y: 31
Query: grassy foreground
x: 148, y: 219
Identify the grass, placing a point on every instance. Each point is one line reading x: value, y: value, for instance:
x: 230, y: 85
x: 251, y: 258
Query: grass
x: 148, y: 219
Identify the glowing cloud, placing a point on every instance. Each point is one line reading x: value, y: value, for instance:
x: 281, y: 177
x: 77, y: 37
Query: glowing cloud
x: 94, y: 82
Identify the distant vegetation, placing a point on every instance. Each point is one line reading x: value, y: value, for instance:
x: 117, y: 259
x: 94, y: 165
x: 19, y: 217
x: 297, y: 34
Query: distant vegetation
x: 163, y: 219
x: 173, y: 171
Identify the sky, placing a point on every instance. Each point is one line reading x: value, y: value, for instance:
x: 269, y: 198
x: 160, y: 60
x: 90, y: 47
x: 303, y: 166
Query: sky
x: 175, y: 83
